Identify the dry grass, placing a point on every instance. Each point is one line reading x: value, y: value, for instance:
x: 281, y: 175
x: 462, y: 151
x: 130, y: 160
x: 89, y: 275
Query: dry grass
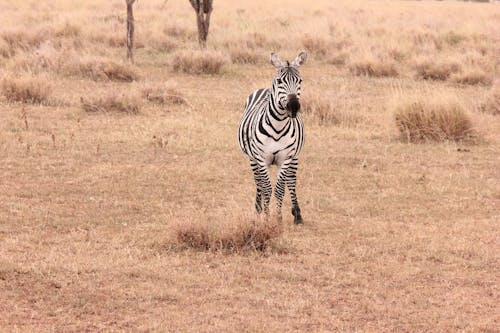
x: 242, y: 56
x: 113, y: 101
x: 491, y: 101
x: 230, y: 237
x: 397, y: 237
x: 163, y: 95
x: 317, y: 46
x: 30, y: 90
x: 473, y: 77
x: 436, y: 70
x: 198, y: 62
x: 374, y: 68
x: 101, y: 70
x: 432, y: 117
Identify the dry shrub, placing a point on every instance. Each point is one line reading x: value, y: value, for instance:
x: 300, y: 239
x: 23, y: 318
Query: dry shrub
x: 325, y: 112
x: 113, y: 101
x: 198, y: 62
x: 257, y: 40
x: 242, y: 56
x: 491, y: 103
x: 24, y: 39
x: 473, y: 77
x: 228, y: 237
x: 338, y: 59
x: 428, y: 70
x: 102, y: 69
x: 451, y: 38
x: 5, y: 49
x: 29, y: 90
x: 163, y: 95
x: 163, y: 45
x: 68, y: 30
x: 179, y: 32
x: 320, y: 47
x: 117, y: 40
x: 431, y: 117
x: 320, y: 109
x: 374, y: 68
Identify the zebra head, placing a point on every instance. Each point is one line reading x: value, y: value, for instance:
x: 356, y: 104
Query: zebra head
x: 286, y: 84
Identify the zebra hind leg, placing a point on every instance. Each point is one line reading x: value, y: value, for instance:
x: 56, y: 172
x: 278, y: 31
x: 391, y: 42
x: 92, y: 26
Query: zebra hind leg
x: 291, y: 182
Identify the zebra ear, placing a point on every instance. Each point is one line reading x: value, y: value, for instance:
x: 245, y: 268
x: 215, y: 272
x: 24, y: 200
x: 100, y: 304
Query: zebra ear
x: 301, y: 59
x: 275, y: 61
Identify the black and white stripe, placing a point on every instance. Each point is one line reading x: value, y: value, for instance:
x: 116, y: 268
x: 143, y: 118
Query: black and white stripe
x: 271, y: 132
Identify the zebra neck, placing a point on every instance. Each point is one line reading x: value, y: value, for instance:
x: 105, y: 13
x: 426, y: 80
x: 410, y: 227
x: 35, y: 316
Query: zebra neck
x: 275, y: 111
x: 276, y: 120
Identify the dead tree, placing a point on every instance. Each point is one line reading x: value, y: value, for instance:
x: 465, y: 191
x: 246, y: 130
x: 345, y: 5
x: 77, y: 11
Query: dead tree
x: 203, y: 9
x: 130, y: 29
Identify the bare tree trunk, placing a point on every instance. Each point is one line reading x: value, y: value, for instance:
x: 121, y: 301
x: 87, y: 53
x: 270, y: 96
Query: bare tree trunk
x: 130, y: 29
x: 203, y: 9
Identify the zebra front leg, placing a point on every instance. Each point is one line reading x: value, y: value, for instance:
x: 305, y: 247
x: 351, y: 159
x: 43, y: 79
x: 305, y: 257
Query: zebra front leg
x: 279, y: 191
x: 257, y: 178
x: 291, y: 180
x: 264, y: 188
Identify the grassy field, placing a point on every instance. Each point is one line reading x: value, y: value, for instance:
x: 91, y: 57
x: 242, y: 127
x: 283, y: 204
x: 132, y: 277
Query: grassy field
x: 103, y: 163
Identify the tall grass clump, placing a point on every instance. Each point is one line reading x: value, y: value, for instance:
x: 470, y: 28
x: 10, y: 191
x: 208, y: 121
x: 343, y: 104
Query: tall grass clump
x: 432, y: 117
x: 30, y: 90
x: 112, y: 101
x: 473, y: 77
x: 163, y: 95
x: 439, y: 71
x: 231, y: 237
x: 244, y: 56
x: 491, y: 102
x: 101, y: 70
x: 325, y: 112
x: 198, y: 62
x: 373, y: 68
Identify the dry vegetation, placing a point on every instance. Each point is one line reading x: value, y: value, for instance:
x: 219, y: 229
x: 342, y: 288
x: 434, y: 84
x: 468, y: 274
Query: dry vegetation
x: 433, y: 117
x: 124, y: 199
x: 197, y: 62
x: 228, y: 236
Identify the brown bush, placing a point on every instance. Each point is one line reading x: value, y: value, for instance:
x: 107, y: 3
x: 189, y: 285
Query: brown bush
x: 232, y: 238
x: 102, y: 69
x: 5, y: 49
x: 68, y: 30
x: 436, y: 118
x: 374, y: 68
x: 325, y: 111
x: 319, y: 47
x: 26, y: 90
x: 112, y: 102
x: 198, y: 62
x: 473, y: 77
x: 338, y: 59
x: 428, y: 70
x: 163, y: 95
x: 24, y: 39
x: 179, y: 32
x: 242, y: 56
x: 491, y: 103
x: 320, y: 109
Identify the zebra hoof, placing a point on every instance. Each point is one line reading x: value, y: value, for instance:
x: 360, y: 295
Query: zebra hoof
x: 297, y: 217
x: 298, y: 220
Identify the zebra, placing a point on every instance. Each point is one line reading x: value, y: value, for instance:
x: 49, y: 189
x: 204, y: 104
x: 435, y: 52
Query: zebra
x: 271, y: 132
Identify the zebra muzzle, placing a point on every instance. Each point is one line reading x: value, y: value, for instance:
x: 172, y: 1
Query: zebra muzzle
x: 293, y: 105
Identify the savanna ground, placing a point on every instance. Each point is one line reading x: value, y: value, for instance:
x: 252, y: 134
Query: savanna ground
x: 101, y: 162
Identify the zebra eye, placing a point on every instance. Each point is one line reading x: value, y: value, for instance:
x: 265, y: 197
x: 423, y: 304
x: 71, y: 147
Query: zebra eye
x: 279, y: 81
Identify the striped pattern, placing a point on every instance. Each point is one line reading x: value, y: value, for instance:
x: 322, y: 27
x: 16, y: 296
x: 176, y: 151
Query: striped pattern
x: 271, y: 132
